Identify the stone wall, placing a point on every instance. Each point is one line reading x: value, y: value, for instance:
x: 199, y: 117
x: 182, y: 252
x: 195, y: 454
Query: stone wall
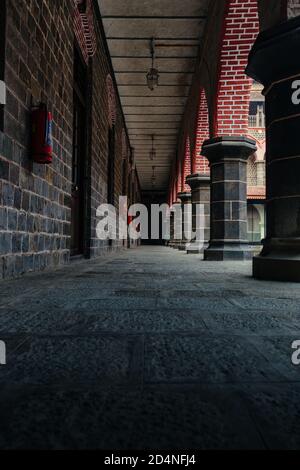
x: 35, y: 204
x: 231, y: 30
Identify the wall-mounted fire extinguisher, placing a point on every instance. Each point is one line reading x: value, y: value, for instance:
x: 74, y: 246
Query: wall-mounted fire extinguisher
x: 41, y: 135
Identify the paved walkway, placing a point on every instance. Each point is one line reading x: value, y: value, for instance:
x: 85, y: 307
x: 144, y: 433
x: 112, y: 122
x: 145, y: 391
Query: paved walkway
x: 149, y: 349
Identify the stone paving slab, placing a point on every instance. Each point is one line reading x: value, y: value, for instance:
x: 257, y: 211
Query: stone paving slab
x: 256, y: 322
x: 277, y: 349
x: 58, y: 322
x: 64, y: 360
x: 205, y: 359
x: 149, y: 348
x: 276, y: 412
x: 18, y: 322
x: 153, y: 419
x: 262, y: 303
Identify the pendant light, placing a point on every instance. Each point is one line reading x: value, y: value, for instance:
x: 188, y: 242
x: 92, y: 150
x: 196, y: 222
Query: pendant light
x: 152, y: 75
x: 152, y: 151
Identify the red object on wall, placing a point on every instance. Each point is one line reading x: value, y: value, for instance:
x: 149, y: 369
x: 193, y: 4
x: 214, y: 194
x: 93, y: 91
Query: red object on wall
x: 41, y: 135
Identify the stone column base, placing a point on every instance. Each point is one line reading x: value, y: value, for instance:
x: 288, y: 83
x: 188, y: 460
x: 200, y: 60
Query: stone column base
x: 229, y: 251
x: 276, y: 269
x: 200, y: 186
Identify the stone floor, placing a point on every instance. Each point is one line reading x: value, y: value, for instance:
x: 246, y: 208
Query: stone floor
x: 149, y: 349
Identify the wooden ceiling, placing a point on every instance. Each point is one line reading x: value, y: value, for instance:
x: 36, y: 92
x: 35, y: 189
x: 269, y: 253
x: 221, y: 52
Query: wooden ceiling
x: 177, y: 28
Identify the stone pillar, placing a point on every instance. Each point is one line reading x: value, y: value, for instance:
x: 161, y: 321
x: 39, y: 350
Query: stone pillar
x: 175, y: 241
x: 274, y: 62
x: 186, y: 205
x: 200, y: 186
x: 228, y: 157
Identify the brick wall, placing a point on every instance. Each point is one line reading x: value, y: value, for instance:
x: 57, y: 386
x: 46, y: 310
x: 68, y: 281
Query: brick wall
x: 193, y: 162
x: 178, y: 178
x: 241, y: 28
x: 205, y: 76
x: 200, y: 164
x: 35, y: 200
x: 105, y: 114
x: 232, y: 39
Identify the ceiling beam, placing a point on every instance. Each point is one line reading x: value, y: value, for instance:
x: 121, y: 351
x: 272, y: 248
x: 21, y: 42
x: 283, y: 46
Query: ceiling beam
x: 154, y: 17
x: 128, y: 38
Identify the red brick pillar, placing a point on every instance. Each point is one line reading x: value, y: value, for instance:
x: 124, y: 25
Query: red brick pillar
x: 229, y: 149
x: 185, y: 194
x: 199, y: 182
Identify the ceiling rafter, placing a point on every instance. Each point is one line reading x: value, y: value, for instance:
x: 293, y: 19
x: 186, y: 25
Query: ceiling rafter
x: 176, y: 29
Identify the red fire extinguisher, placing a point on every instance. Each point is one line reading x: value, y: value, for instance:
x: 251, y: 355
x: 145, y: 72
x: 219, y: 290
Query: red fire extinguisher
x: 41, y: 135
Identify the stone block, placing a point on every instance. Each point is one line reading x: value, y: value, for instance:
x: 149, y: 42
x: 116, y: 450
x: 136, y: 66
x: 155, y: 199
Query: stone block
x: 3, y: 218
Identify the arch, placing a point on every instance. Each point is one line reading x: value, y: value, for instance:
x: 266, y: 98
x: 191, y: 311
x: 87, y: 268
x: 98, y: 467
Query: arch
x: 199, y: 163
x: 111, y: 99
x: 261, y: 147
x: 173, y: 194
x: 124, y: 145
x: 83, y: 23
x: 124, y: 151
x: 241, y: 27
x: 179, y: 178
x: 255, y: 217
x: 256, y: 222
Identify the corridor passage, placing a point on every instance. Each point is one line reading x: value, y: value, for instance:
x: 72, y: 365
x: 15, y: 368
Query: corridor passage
x: 150, y: 348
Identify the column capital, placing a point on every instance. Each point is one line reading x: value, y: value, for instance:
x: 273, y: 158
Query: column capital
x: 225, y: 147
x: 273, y: 56
x: 184, y: 197
x: 197, y: 180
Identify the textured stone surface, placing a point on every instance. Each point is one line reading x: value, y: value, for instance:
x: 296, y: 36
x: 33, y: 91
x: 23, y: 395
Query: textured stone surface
x: 149, y: 349
x: 205, y: 359
x: 35, y: 200
x: 66, y: 360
